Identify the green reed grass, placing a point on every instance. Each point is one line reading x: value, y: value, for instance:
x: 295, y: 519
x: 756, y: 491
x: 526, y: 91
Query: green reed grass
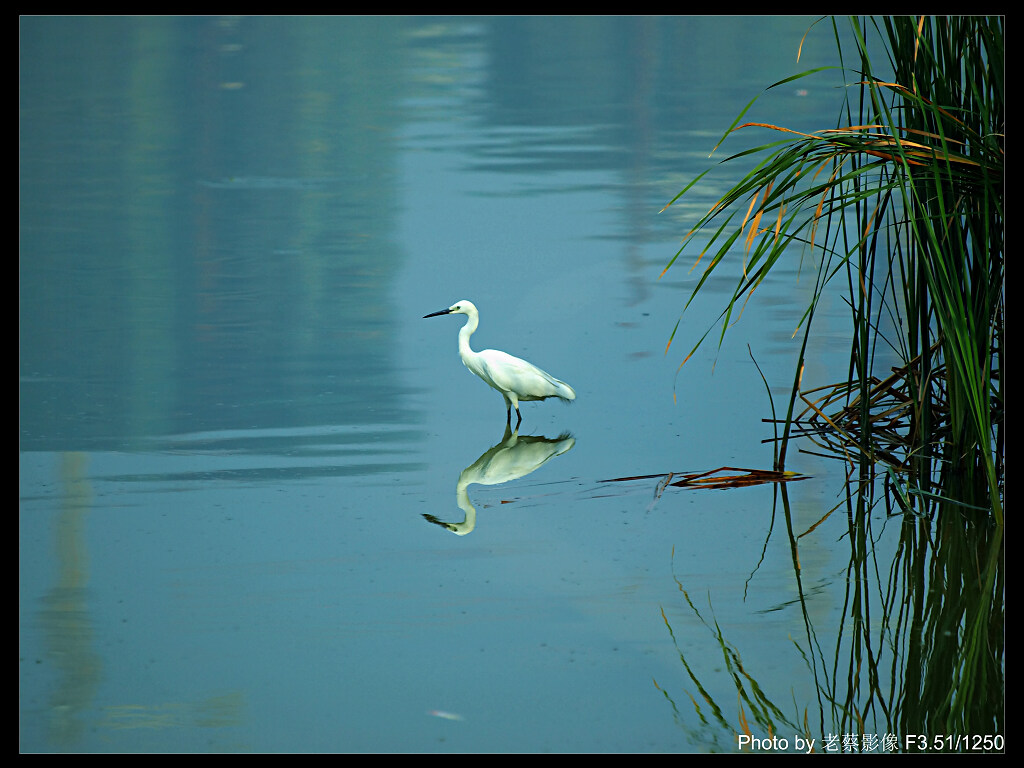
x: 903, y: 201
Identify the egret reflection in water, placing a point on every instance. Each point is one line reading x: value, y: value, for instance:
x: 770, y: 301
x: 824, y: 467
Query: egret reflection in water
x: 513, y: 457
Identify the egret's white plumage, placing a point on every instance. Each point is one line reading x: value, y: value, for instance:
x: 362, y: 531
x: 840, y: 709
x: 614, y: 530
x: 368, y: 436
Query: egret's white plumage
x: 516, y: 380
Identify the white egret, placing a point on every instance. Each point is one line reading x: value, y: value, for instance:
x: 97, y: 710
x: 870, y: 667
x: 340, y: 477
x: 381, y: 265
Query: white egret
x: 515, y: 379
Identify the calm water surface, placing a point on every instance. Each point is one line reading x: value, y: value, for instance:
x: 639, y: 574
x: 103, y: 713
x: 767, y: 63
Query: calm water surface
x: 263, y: 506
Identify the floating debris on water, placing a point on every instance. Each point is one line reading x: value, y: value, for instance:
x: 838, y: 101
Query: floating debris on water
x: 446, y: 715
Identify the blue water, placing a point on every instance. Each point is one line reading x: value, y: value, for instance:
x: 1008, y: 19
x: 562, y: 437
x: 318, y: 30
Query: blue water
x: 237, y: 431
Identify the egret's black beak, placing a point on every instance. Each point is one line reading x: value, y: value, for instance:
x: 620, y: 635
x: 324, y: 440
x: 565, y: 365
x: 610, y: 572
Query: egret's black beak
x: 435, y: 314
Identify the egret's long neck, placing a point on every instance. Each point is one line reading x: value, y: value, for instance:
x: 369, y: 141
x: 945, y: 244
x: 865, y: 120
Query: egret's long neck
x: 464, y: 333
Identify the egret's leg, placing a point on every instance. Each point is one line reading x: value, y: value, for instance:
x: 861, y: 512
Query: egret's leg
x: 508, y: 414
x: 513, y: 402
